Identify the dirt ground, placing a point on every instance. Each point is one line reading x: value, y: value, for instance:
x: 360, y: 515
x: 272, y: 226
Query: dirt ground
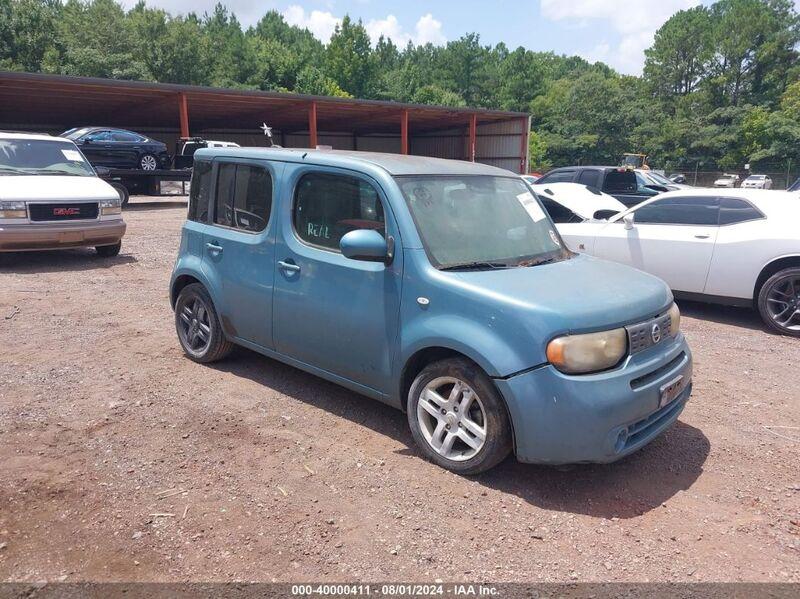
x: 120, y: 459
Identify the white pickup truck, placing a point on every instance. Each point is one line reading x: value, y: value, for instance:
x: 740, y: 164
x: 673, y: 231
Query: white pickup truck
x: 51, y: 198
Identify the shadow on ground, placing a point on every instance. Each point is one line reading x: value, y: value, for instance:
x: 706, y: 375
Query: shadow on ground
x: 626, y: 489
x: 739, y: 317
x: 59, y: 260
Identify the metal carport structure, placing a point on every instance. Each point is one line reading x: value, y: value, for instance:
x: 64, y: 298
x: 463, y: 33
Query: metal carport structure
x: 54, y: 103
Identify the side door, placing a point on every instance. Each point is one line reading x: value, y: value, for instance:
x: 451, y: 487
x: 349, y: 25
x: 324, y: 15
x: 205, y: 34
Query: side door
x: 96, y: 147
x: 239, y: 248
x: 125, y: 146
x: 672, y: 238
x: 331, y: 312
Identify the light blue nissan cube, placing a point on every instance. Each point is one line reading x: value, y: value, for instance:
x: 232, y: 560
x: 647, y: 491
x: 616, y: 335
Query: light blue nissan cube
x: 439, y: 287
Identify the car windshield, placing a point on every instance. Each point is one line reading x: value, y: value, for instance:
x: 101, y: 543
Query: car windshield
x: 756, y: 177
x: 480, y: 222
x: 42, y: 157
x: 658, y: 179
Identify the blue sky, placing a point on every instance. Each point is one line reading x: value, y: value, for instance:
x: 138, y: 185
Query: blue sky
x: 614, y: 31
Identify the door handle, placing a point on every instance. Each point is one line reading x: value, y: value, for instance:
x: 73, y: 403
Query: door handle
x: 214, y: 248
x: 288, y: 266
x: 702, y: 236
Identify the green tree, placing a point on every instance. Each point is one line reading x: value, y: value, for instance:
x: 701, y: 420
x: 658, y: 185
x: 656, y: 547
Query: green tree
x: 349, y: 59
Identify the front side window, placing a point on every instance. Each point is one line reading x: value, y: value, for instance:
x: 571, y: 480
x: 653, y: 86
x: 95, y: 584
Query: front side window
x: 327, y: 206
x: 98, y: 136
x: 621, y: 181
x: 680, y: 211
x: 480, y: 221
x: 200, y: 191
x: 244, y: 197
x: 42, y: 157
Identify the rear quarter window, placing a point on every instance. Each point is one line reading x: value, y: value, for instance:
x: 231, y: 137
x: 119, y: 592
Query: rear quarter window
x: 200, y: 191
x: 734, y: 210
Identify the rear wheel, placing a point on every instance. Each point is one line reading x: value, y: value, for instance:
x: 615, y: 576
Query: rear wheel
x: 779, y: 302
x: 148, y: 162
x: 124, y: 196
x: 198, y: 326
x: 458, y: 418
x: 108, y: 251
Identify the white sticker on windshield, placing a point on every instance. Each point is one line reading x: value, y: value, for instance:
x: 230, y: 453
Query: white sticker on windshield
x: 73, y: 155
x: 531, y: 206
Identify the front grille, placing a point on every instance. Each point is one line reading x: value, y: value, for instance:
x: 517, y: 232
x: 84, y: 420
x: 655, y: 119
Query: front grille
x: 641, y: 335
x: 644, y: 428
x: 648, y: 378
x: 62, y: 211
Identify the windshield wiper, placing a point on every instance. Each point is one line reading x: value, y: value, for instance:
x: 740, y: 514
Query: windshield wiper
x: 475, y: 266
x: 536, y: 262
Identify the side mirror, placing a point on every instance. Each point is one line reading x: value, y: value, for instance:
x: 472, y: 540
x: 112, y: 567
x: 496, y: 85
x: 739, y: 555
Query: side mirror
x: 628, y: 221
x: 366, y: 245
x: 604, y: 214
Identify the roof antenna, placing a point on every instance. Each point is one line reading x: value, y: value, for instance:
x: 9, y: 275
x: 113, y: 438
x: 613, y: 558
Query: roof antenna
x: 304, y: 155
x: 268, y: 133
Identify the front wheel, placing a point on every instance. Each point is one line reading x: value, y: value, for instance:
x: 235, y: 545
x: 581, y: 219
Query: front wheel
x: 779, y: 302
x: 458, y: 418
x: 108, y: 251
x: 198, y: 326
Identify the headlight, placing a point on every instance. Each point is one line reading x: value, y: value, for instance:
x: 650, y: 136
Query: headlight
x: 13, y: 210
x: 110, y: 207
x: 579, y: 354
x: 674, y: 319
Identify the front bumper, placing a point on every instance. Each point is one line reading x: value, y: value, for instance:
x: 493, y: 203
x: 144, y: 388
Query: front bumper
x: 24, y: 237
x: 563, y: 419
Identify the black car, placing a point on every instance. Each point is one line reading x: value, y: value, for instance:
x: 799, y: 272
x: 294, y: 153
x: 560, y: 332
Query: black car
x: 118, y: 148
x: 620, y: 182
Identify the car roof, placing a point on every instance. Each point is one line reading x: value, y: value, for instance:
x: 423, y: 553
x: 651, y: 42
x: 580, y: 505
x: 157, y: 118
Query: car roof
x: 394, y: 164
x: 39, y: 136
x: 769, y: 201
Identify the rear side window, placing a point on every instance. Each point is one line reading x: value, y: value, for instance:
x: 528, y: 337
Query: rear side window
x: 620, y: 182
x: 244, y: 197
x: 557, y: 177
x: 200, y: 191
x: 680, y: 211
x: 590, y: 178
x: 328, y: 206
x: 733, y: 210
x: 125, y: 136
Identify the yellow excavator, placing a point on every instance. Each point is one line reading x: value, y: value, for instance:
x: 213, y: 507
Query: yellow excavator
x: 630, y: 160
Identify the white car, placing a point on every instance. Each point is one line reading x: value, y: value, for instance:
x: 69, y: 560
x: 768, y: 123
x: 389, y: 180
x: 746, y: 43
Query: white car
x: 51, y: 198
x: 574, y: 203
x: 757, y: 182
x: 727, y: 180
x: 738, y: 247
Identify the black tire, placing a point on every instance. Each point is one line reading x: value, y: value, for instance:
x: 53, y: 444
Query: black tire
x: 498, y: 441
x: 148, y: 162
x: 217, y: 346
x: 779, y: 287
x: 124, y: 195
x: 108, y: 251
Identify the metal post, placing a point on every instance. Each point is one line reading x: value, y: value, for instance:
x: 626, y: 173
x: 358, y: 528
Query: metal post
x: 473, y: 136
x: 312, y: 125
x: 404, y: 132
x: 523, y: 146
x: 183, y: 106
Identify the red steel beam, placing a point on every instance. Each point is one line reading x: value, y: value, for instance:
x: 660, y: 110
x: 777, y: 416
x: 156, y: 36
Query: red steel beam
x: 312, y: 125
x: 473, y: 136
x: 184, y: 111
x: 404, y: 132
x: 523, y: 145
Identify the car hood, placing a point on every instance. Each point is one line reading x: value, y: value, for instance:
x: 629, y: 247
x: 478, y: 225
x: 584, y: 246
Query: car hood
x: 578, y: 295
x: 54, y: 187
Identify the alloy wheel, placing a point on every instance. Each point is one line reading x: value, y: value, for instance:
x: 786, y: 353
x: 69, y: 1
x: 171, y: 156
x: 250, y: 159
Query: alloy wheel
x: 148, y: 163
x: 452, y: 418
x: 195, y: 326
x: 783, y: 302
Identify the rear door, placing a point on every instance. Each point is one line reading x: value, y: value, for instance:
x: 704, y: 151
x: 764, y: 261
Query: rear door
x: 672, y: 238
x: 239, y: 248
